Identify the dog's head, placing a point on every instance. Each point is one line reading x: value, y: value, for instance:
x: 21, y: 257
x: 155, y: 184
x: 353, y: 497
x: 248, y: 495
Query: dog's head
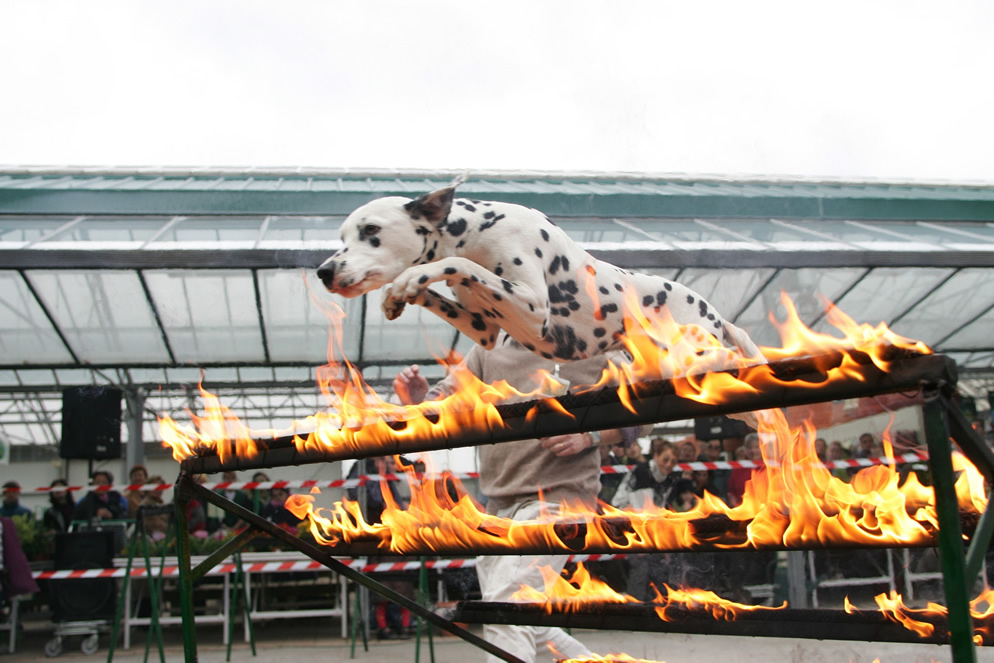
x: 383, y: 238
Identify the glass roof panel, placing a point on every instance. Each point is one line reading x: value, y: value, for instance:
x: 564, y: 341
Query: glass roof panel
x: 588, y: 231
x: 727, y: 290
x: 29, y: 228
x: 112, y: 229
x: 905, y: 285
x: 208, y: 315
x: 303, y: 228
x: 26, y: 335
x: 978, y: 334
x: 215, y: 229
x: 844, y: 230
x: 417, y: 333
x: 803, y: 286
x: 966, y: 294
x: 681, y: 230
x: 296, y: 328
x: 104, y: 315
x: 955, y: 228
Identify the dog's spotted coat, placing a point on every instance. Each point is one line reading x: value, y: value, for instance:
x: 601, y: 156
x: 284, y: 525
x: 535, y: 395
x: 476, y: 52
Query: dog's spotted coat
x: 509, y: 267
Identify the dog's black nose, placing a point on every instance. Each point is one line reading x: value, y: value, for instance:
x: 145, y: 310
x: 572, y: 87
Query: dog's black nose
x: 327, y: 274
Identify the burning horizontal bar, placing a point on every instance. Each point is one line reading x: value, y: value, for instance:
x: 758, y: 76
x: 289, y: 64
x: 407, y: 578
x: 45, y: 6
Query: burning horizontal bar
x: 798, y: 382
x: 867, y: 626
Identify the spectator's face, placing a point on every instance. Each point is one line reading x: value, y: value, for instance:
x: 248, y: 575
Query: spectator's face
x: 713, y: 450
x: 10, y: 495
x: 279, y: 495
x: 665, y: 460
x: 687, y: 453
x: 100, y: 480
x: 866, y: 442
x: 138, y: 476
x: 835, y: 451
x: 820, y: 447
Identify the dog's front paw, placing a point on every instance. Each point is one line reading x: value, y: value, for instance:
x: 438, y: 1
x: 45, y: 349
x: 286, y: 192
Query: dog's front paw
x: 392, y: 308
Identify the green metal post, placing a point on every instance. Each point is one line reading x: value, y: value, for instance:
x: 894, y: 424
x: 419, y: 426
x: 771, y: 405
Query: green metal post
x: 424, y: 598
x: 182, y: 499
x: 121, y: 607
x: 950, y: 536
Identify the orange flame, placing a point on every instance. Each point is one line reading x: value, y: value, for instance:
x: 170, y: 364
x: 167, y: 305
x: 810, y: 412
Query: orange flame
x: 580, y: 588
x: 717, y: 607
x: 981, y: 609
x: 793, y: 502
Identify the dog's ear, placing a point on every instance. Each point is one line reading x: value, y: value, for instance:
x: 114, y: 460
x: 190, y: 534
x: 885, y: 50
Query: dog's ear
x: 434, y: 206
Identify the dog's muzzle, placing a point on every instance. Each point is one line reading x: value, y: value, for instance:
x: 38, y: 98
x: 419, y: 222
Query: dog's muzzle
x: 326, y: 273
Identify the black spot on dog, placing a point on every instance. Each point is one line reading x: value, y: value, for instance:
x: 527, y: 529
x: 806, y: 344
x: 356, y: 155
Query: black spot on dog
x: 508, y: 286
x: 555, y: 296
x: 430, y: 256
x: 647, y: 300
x: 491, y: 222
x: 547, y: 355
x: 423, y: 230
x: 489, y: 215
x: 703, y: 308
x: 517, y: 261
x: 661, y: 297
x: 478, y: 322
x: 711, y: 316
x: 569, y: 286
x: 602, y: 313
x: 538, y: 252
x: 450, y: 270
x: 545, y: 234
x: 499, y: 270
x: 468, y: 207
x: 599, y: 331
x: 423, y: 279
x: 602, y: 345
x: 565, y: 264
x: 456, y: 228
x: 690, y: 299
x: 567, y: 344
x: 374, y: 242
x: 668, y: 285
x: 617, y: 286
x: 554, y: 267
x: 574, y: 305
x: 465, y: 282
x: 461, y: 244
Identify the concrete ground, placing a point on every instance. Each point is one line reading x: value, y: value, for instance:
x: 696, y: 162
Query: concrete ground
x: 317, y: 640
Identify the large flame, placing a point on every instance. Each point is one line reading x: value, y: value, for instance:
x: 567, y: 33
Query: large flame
x: 919, y: 620
x: 792, y: 502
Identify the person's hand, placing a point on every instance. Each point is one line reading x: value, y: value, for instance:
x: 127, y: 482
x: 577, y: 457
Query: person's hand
x: 567, y: 445
x: 104, y: 513
x: 410, y: 386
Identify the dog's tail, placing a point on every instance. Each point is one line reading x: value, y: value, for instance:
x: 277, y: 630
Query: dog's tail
x: 459, y: 179
x: 737, y: 337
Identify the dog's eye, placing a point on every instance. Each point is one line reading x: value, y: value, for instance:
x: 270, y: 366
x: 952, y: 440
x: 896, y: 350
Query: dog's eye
x: 369, y: 230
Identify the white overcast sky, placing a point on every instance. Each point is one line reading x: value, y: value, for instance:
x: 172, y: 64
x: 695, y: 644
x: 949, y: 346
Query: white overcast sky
x: 861, y: 89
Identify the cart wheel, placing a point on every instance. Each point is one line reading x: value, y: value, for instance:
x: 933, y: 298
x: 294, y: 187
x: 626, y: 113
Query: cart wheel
x: 53, y: 647
x: 90, y: 644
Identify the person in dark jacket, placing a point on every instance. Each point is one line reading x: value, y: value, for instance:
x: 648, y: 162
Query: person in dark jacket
x: 58, y: 516
x: 105, y: 504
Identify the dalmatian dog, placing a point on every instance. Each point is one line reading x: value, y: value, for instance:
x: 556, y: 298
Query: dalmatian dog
x: 509, y: 268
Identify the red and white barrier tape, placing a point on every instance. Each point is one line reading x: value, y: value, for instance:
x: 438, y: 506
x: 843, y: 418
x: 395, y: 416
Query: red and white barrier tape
x: 289, y: 567
x: 362, y: 480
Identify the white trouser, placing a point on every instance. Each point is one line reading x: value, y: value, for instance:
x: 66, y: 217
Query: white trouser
x: 501, y: 576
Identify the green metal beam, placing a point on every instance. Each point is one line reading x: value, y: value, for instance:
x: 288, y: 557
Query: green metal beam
x: 950, y: 536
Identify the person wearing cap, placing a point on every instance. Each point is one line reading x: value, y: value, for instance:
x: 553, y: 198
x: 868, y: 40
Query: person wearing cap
x: 11, y: 501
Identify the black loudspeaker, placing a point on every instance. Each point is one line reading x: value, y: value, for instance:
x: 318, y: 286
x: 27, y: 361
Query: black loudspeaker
x: 719, y: 428
x: 84, y: 599
x: 91, y: 423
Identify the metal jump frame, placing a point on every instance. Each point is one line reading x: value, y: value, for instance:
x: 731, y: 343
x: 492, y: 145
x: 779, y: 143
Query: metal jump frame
x: 798, y: 382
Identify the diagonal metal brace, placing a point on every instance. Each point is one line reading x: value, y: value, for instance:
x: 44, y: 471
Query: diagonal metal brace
x: 229, y: 548
x: 338, y: 567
